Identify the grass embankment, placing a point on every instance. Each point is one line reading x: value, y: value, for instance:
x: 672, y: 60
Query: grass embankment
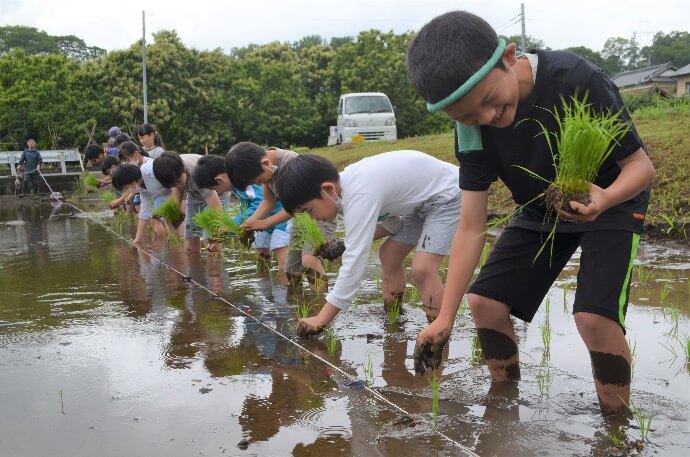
x: 664, y: 130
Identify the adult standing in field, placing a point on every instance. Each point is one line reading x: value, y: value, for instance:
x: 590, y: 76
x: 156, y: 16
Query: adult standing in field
x: 500, y: 102
x: 150, y: 140
x: 31, y: 162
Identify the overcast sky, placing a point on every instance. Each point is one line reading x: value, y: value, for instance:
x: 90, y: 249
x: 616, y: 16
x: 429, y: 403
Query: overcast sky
x: 210, y: 24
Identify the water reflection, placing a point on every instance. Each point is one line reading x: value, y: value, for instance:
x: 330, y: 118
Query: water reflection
x: 123, y: 336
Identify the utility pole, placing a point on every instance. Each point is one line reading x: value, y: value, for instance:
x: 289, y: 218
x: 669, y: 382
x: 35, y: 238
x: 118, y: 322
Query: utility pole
x: 143, y: 61
x: 523, y: 44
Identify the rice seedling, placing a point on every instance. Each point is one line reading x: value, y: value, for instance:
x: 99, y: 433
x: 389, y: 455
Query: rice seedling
x: 303, y: 310
x: 413, y: 296
x: 476, y: 353
x: 664, y: 292
x: 643, y: 419
x: 674, y: 312
x: 307, y: 232
x: 332, y: 341
x: 173, y: 238
x: 616, y: 439
x: 643, y: 274
x: 584, y: 140
x: 462, y: 313
x: 547, y: 307
x: 545, y: 330
x: 544, y: 379
x: 90, y: 180
x: 369, y: 370
x: 170, y: 211
x: 566, y: 290
x: 394, y: 312
x: 218, y: 223
x: 107, y: 197
x: 433, y: 383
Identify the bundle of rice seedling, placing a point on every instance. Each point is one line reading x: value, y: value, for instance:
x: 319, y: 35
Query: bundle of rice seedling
x: 170, y: 211
x: 307, y: 232
x: 90, y: 180
x: 218, y: 223
x: 107, y: 197
x: 584, y: 140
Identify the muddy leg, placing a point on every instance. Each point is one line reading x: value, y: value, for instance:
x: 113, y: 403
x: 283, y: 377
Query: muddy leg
x: 425, y: 275
x: 610, y: 358
x: 496, y: 337
x: 392, y: 254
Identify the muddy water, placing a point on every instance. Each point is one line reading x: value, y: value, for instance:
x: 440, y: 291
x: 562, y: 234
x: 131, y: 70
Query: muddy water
x: 103, y: 351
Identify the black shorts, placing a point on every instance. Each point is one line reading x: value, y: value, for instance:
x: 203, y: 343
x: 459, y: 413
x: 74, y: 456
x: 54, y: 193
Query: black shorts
x: 512, y: 276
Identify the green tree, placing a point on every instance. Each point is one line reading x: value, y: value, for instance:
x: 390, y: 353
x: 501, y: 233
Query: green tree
x: 673, y: 47
x: 530, y: 42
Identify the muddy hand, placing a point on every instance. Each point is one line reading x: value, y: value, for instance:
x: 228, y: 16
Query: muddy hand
x: 305, y: 328
x: 428, y: 355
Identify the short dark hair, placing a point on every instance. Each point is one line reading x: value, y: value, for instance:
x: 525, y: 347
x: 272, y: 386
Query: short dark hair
x: 92, y: 152
x: 243, y: 163
x: 128, y: 149
x: 121, y: 138
x: 207, y: 168
x: 447, y: 51
x: 108, y: 162
x: 125, y: 174
x: 167, y: 168
x: 299, y: 180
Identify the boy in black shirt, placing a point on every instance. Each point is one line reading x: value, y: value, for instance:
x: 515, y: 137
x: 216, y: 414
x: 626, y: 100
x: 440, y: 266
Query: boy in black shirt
x: 459, y: 66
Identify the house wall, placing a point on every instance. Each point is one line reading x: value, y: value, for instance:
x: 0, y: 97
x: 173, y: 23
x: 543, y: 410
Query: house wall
x: 681, y: 84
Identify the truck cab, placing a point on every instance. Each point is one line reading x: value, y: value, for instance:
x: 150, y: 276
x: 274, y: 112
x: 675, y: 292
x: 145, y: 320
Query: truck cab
x: 364, y: 116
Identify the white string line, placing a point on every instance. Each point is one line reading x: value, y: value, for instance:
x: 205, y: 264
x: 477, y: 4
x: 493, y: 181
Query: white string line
x: 216, y: 295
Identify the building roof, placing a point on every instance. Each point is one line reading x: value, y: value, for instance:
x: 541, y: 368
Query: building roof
x: 680, y: 72
x: 644, y: 75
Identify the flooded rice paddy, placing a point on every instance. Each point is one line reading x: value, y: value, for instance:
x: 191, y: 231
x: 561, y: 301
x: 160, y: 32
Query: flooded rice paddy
x: 105, y: 351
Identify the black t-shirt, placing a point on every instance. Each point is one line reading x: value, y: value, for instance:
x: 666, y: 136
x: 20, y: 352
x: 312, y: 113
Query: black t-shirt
x: 561, y: 75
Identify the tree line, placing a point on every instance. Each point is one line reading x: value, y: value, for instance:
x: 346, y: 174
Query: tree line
x: 56, y: 89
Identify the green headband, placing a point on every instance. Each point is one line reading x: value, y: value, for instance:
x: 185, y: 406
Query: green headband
x: 471, y: 81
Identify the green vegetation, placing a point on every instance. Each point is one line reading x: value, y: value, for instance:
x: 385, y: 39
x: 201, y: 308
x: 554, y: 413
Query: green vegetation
x: 169, y: 210
x: 544, y: 379
x: 394, y: 312
x: 218, y: 223
x: 303, y: 309
x: 107, y: 197
x: 433, y: 383
x: 332, y: 341
x: 616, y: 439
x: 476, y: 354
x: 90, y: 180
x: 305, y: 231
x: 643, y: 419
x: 369, y: 370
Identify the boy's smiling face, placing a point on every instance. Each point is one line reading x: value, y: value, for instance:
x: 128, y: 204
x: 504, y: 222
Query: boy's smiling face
x: 494, y: 100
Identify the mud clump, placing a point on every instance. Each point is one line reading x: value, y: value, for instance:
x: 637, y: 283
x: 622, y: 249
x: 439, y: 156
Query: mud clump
x: 556, y: 199
x: 330, y: 250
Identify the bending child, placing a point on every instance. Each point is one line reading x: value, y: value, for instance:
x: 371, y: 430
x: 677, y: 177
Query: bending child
x: 417, y: 188
x: 174, y: 171
x: 210, y: 174
x: 499, y: 101
x: 248, y: 163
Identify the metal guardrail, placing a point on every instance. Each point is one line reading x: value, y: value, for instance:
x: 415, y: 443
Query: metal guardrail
x: 50, y: 156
